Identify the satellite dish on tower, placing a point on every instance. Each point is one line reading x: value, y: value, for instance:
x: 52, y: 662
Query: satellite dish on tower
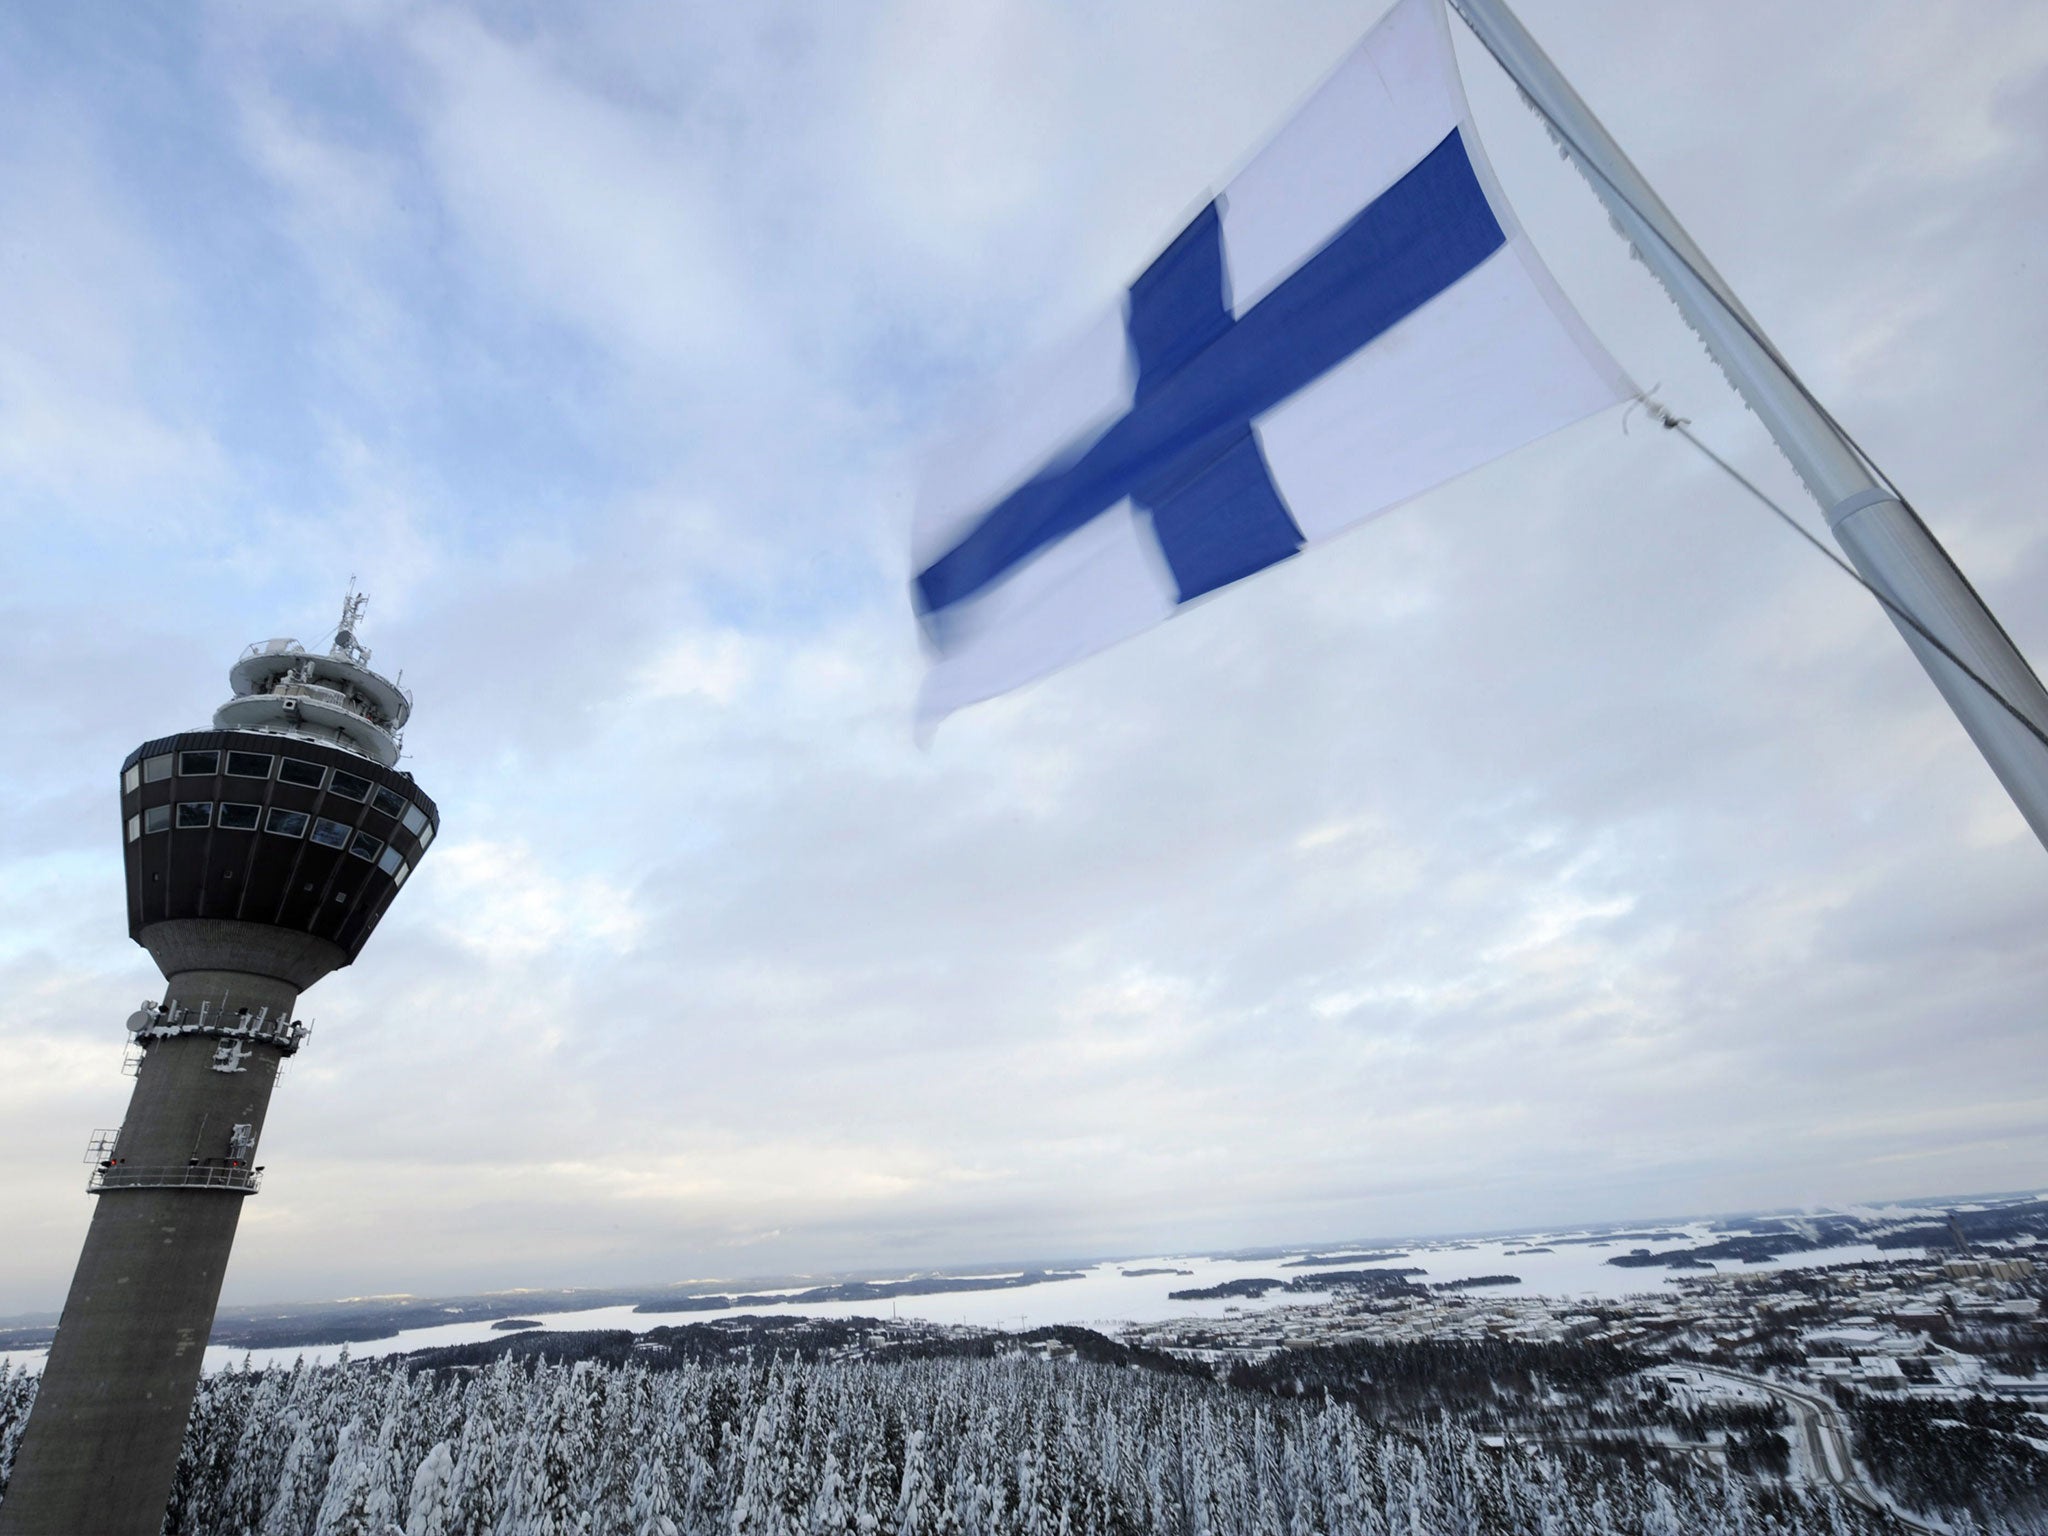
x: 140, y: 1020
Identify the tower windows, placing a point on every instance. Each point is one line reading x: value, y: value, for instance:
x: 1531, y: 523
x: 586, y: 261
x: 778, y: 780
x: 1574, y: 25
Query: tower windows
x: 388, y: 861
x: 198, y: 765
x: 287, y: 823
x: 240, y: 818
x: 365, y: 846
x: 415, y: 820
x: 294, y: 770
x: 390, y: 804
x: 330, y: 834
x: 399, y: 874
x: 195, y: 813
x: 156, y: 818
x: 156, y: 769
x: 249, y: 765
x: 131, y: 780
x: 134, y: 828
x: 348, y: 786
x: 426, y: 836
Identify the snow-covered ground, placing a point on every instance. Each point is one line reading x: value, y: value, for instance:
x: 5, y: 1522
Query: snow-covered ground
x: 1104, y: 1296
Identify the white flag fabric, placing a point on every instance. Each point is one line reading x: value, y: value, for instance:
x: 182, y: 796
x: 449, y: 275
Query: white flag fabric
x: 1355, y: 319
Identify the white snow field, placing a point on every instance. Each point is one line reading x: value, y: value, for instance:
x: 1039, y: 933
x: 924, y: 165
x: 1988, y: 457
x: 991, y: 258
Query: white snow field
x: 1104, y: 1297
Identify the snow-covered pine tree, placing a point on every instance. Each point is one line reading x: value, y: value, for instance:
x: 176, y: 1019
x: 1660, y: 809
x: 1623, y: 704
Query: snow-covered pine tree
x: 969, y: 1495
x: 17, y: 1395
x: 430, y: 1511
x: 474, y: 1492
x: 381, y: 1456
x: 345, y: 1507
x: 257, y: 1457
x: 764, y: 1477
x: 301, y: 1481
x: 520, y: 1486
x: 613, y: 1450
x: 584, y: 1447
x: 916, y: 1512
x: 505, y: 1387
x: 873, y: 1477
x: 541, y: 1495
x: 651, y: 1507
x: 829, y: 1514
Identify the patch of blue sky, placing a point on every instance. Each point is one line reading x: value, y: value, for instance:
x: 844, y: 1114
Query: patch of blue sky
x: 507, y: 416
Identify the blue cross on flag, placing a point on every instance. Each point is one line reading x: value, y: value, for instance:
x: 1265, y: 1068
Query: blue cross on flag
x: 1355, y: 319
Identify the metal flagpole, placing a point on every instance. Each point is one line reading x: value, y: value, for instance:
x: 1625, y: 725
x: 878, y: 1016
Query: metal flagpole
x: 1882, y: 536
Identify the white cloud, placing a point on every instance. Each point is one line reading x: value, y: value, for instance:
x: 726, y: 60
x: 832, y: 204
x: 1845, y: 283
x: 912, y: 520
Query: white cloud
x: 498, y: 899
x: 595, y: 210
x: 713, y: 667
x: 90, y: 427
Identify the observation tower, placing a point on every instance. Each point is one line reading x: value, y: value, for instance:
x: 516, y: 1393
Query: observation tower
x: 260, y: 855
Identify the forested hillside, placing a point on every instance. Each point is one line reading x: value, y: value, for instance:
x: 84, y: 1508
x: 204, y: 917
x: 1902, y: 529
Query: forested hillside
x: 914, y: 1447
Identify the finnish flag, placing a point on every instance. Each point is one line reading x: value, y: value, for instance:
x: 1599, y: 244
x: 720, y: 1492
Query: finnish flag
x: 1355, y: 319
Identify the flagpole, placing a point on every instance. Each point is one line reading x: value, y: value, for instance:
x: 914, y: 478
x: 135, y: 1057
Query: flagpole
x: 1882, y: 536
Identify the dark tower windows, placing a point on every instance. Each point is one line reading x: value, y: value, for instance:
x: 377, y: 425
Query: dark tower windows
x: 288, y: 823
x: 348, y: 786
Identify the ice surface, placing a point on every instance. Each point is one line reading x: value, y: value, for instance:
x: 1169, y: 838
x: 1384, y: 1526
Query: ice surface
x: 1104, y: 1297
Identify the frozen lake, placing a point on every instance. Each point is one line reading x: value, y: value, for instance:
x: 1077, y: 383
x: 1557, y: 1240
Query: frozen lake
x: 1104, y: 1297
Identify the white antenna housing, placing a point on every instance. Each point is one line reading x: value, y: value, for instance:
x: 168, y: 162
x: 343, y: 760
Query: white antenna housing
x: 283, y: 689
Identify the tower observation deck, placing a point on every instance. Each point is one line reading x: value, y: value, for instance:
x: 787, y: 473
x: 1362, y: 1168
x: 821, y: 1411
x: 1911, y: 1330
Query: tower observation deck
x: 259, y: 855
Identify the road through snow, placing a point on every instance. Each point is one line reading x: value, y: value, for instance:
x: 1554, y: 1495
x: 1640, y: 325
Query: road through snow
x: 1828, y: 1445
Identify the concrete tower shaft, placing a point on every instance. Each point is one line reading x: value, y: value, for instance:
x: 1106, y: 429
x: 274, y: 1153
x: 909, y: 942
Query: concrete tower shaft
x: 102, y: 1445
x: 258, y: 859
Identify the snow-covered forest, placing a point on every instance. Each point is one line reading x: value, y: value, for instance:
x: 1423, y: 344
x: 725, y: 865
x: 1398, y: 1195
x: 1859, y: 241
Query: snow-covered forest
x: 794, y: 1448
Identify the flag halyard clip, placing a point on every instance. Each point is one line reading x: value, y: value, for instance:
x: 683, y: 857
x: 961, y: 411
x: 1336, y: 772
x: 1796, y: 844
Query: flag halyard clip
x: 1659, y: 413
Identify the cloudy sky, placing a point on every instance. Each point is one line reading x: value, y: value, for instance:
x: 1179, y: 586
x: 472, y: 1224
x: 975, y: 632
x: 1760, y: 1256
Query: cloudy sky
x: 1571, y: 844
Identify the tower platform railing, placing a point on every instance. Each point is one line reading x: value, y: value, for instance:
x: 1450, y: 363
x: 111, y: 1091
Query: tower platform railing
x: 168, y: 1020
x: 234, y: 1181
